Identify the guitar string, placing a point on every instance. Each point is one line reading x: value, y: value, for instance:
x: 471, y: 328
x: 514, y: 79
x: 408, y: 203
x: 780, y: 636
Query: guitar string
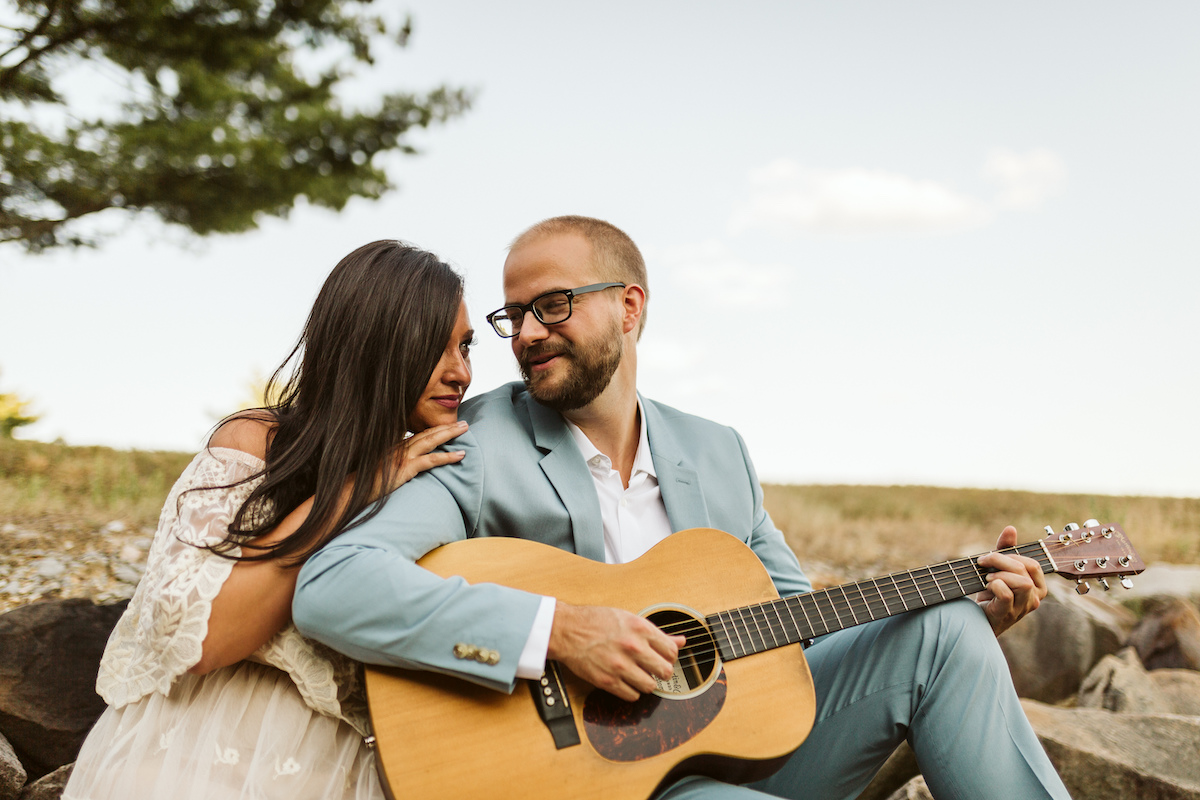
x: 915, y: 577
x: 937, y: 574
x: 760, y: 614
x: 911, y: 576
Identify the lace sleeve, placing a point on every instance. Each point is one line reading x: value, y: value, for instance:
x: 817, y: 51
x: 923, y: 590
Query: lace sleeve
x: 160, y: 635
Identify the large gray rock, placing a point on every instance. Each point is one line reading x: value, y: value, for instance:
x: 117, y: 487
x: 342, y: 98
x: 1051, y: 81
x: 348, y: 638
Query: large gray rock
x: 1049, y: 652
x: 48, y: 787
x: 1168, y: 634
x: 49, y: 655
x: 1100, y: 754
x: 12, y: 774
x: 1180, y: 688
x: 1121, y: 684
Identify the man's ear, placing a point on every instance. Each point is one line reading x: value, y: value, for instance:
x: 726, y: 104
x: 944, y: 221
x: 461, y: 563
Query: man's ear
x: 634, y: 301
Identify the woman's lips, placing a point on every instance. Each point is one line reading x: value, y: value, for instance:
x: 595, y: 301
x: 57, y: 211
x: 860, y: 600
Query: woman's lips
x: 449, y: 401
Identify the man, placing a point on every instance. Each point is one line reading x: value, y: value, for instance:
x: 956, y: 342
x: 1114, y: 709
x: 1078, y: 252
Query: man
x: 577, y: 459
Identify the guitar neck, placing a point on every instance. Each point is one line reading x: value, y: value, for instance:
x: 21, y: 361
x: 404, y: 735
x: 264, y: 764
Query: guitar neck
x: 752, y: 629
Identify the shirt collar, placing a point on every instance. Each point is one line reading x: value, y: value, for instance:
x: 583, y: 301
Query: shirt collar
x: 643, y: 460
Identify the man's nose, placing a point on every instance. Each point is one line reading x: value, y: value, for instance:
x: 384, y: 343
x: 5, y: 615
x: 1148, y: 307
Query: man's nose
x: 532, y: 329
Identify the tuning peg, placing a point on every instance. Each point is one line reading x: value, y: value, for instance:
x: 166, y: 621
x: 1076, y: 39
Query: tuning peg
x: 1071, y: 526
x: 1082, y: 587
x: 1127, y: 582
x: 1104, y: 582
x: 1049, y: 531
x: 1091, y: 523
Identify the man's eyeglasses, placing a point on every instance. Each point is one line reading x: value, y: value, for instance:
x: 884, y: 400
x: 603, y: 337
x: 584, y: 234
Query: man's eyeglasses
x: 550, y: 308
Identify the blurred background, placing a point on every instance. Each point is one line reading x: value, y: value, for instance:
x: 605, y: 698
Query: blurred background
x: 932, y: 243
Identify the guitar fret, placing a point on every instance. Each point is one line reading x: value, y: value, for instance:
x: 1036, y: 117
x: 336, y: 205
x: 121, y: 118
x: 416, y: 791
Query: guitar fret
x: 787, y: 605
x: 795, y: 635
x: 954, y: 575
x: 882, y: 599
x: 935, y: 582
x: 912, y: 577
x: 828, y: 597
x: 980, y: 574
x: 866, y: 604
x: 807, y: 620
x: 760, y: 615
x: 761, y: 611
x: 756, y: 647
x: 743, y: 632
x: 817, y: 607
x: 899, y: 593
x: 962, y: 590
x: 721, y: 635
x: 849, y: 605
x: 729, y: 617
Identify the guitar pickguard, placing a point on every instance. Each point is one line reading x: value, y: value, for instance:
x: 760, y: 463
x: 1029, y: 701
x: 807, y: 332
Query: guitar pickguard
x: 621, y: 731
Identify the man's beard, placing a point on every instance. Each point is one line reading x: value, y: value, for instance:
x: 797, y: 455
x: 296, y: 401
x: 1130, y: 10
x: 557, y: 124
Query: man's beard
x: 590, y: 368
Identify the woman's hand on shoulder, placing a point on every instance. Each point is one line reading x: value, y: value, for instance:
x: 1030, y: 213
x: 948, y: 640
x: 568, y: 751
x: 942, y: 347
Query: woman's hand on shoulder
x: 248, y: 431
x: 419, y: 452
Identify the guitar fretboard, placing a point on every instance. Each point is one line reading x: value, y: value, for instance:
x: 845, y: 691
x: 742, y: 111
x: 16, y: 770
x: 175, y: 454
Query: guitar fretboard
x: 752, y: 629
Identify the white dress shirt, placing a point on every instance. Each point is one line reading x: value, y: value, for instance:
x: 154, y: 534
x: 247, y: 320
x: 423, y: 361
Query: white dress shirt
x: 634, y: 518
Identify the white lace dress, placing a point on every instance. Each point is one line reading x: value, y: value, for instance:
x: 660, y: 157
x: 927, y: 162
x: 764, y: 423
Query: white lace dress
x: 288, y: 724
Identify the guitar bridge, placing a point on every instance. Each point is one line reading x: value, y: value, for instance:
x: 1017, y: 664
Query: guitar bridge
x: 554, y: 706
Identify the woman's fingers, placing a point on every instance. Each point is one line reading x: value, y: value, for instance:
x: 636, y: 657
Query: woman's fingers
x: 417, y: 464
x: 420, y: 452
x: 431, y: 438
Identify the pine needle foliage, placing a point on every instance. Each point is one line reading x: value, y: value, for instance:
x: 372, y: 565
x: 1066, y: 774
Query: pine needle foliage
x: 220, y: 126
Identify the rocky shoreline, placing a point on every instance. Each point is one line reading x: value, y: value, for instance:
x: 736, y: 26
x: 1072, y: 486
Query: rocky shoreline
x: 63, y: 561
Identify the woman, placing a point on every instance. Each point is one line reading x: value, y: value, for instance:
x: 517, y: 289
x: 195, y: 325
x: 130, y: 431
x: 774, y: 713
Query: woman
x: 211, y: 692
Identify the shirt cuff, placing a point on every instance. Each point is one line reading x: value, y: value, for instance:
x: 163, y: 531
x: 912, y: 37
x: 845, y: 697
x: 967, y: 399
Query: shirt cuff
x: 532, y: 662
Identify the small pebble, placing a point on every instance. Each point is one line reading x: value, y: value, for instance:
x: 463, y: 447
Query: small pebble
x: 50, y: 568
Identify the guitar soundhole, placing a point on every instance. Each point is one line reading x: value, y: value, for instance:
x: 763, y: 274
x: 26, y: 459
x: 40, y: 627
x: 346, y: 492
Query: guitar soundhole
x: 676, y: 711
x: 697, y: 663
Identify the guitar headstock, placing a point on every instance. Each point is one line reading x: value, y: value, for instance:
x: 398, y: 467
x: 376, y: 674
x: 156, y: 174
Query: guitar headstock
x: 1093, y: 552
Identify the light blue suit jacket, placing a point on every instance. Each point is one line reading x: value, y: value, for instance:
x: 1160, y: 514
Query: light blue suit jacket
x: 522, y: 476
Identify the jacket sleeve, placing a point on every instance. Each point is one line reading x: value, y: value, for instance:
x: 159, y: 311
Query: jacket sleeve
x: 364, y: 595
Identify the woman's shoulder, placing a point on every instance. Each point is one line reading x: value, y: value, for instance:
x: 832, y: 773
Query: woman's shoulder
x: 248, y: 431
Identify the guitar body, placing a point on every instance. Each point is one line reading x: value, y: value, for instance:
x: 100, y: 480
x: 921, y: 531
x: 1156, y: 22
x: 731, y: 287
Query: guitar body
x: 442, y: 737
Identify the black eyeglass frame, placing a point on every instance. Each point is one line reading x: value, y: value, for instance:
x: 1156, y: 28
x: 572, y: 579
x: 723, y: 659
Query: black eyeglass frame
x: 571, y: 294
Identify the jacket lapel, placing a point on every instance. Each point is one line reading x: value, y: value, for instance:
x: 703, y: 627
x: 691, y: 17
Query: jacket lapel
x: 564, y: 467
x: 679, y: 484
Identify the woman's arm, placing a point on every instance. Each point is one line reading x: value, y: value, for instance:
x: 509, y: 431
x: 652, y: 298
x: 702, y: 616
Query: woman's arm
x: 255, y: 602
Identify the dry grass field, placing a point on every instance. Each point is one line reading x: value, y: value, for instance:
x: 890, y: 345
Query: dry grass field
x: 839, y: 532
x: 57, y: 486
x: 852, y: 532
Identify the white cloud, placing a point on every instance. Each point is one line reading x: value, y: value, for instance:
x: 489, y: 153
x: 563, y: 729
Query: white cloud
x: 788, y: 197
x: 1025, y: 180
x: 723, y: 278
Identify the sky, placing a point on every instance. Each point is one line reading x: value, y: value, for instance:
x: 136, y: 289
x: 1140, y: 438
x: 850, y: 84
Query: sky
x: 928, y: 243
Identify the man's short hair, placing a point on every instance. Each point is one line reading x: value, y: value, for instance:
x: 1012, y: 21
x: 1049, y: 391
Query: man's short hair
x: 617, y: 257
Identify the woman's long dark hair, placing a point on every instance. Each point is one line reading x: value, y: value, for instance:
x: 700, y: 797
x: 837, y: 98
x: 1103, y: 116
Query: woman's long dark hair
x: 372, y: 340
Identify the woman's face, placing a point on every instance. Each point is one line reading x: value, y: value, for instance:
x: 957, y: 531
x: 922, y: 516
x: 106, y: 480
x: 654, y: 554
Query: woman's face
x: 448, y: 383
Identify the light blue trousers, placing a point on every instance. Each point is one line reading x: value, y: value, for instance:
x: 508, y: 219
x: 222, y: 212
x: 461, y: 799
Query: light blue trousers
x: 935, y: 677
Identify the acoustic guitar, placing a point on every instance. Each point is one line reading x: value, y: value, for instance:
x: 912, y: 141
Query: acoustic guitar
x: 740, y: 701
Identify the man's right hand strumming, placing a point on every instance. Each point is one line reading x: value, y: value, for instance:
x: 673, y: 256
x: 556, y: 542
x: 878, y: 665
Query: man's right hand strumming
x: 612, y: 649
